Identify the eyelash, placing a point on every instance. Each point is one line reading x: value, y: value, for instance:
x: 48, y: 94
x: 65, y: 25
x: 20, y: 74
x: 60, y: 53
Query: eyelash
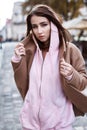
x: 43, y: 25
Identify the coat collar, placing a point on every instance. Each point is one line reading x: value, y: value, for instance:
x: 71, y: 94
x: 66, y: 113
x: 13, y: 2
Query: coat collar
x: 62, y: 50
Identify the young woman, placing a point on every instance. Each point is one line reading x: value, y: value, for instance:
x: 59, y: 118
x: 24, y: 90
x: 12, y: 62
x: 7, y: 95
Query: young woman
x: 49, y: 72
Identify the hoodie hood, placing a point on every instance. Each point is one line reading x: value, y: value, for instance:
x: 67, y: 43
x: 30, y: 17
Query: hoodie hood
x: 54, y: 38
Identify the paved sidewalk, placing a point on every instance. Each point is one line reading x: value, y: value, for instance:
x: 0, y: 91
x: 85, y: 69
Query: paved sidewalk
x: 10, y: 100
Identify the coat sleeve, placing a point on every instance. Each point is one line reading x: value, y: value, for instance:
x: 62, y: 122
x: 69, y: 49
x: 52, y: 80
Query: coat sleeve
x: 78, y: 82
x: 20, y: 76
x: 79, y: 78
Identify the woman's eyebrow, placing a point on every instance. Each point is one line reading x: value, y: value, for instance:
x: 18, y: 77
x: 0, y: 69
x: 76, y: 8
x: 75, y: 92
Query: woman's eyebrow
x: 43, y: 22
x: 40, y: 23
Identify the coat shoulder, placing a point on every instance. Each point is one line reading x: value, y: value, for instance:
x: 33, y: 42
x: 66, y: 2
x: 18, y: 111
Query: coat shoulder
x: 74, y: 51
x: 72, y: 46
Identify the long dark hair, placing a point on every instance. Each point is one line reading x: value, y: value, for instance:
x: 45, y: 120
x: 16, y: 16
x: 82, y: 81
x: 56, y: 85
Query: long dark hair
x: 50, y: 14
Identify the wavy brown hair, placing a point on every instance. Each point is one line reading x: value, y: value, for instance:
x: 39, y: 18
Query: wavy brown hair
x: 52, y: 16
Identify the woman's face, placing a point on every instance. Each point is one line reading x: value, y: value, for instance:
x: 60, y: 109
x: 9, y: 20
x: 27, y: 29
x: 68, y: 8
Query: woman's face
x: 41, y: 27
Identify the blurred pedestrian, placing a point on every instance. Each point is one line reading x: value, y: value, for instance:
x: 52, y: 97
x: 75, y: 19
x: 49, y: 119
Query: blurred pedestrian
x: 49, y: 72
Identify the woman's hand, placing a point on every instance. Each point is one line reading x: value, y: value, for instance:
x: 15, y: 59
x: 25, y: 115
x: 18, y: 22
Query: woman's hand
x: 19, y: 50
x: 65, y: 68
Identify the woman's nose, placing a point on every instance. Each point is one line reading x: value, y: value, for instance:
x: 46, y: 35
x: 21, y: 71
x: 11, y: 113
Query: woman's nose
x: 40, y: 29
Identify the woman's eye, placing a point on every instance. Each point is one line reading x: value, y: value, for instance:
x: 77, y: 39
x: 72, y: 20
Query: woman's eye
x: 41, y: 25
x: 45, y: 24
x: 34, y: 26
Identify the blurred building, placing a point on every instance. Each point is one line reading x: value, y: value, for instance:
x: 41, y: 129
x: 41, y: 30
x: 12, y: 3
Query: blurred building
x: 18, y: 22
x: 15, y: 28
x: 78, y: 28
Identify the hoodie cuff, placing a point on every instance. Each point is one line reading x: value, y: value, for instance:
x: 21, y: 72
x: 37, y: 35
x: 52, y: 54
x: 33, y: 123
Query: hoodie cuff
x: 69, y: 77
x: 16, y: 59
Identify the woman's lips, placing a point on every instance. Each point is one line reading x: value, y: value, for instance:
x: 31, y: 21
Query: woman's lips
x: 41, y: 36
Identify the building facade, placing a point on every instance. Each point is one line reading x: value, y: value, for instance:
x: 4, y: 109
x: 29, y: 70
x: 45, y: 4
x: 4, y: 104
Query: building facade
x: 18, y: 22
x: 15, y: 28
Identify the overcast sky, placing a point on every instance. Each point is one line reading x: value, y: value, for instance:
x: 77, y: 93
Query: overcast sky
x: 6, y: 8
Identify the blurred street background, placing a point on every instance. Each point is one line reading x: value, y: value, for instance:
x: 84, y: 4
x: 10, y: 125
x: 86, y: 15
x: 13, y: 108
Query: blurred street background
x: 74, y: 14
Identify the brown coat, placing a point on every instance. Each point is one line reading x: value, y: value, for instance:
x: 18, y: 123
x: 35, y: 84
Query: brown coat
x: 71, y: 88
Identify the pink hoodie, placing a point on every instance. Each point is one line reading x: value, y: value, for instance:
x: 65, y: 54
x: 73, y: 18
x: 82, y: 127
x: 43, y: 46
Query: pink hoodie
x: 45, y: 106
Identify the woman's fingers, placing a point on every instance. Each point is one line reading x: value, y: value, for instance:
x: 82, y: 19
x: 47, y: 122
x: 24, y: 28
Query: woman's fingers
x: 20, y: 44
x: 65, y: 68
x: 19, y: 50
